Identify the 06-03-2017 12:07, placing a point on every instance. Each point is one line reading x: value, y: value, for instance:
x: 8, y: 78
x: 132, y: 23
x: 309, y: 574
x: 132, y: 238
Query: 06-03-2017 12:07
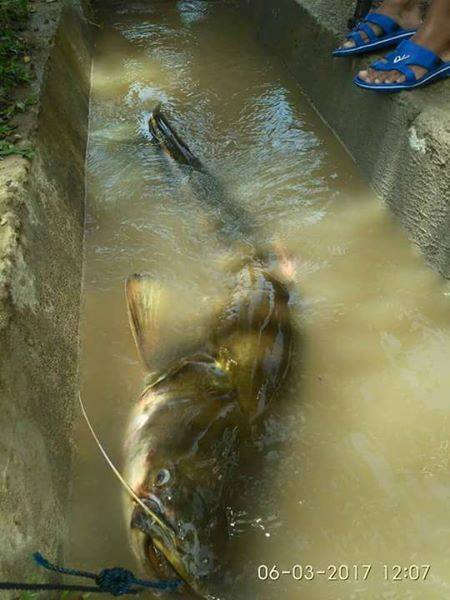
x: 345, y: 572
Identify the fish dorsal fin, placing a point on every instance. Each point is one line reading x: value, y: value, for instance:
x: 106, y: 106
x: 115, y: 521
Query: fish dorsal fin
x: 144, y: 295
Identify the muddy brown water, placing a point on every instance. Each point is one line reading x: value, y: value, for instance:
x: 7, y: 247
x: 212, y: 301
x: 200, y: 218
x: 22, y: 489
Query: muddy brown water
x: 352, y: 468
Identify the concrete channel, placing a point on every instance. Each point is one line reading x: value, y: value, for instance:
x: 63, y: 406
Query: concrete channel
x: 401, y: 144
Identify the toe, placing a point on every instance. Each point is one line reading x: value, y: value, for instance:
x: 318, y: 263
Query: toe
x: 373, y: 74
x: 397, y: 77
x: 381, y: 77
x: 364, y: 75
x: 387, y: 77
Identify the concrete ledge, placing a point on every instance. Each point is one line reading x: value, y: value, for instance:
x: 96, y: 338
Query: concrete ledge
x: 401, y: 142
x: 41, y: 233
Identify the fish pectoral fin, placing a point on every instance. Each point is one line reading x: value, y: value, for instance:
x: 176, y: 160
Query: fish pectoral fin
x: 143, y: 295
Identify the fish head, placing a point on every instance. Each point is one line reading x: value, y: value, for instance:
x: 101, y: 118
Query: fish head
x: 188, y: 448
x: 188, y: 539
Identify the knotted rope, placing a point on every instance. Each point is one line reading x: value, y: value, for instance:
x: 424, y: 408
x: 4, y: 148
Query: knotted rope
x: 116, y: 581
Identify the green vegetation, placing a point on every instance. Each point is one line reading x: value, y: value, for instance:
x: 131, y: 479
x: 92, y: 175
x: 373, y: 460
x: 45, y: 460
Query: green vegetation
x: 13, y: 70
x: 28, y: 596
x: 64, y: 596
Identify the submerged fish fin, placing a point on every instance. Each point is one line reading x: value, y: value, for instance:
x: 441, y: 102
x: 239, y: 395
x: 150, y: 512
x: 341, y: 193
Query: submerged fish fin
x: 143, y: 299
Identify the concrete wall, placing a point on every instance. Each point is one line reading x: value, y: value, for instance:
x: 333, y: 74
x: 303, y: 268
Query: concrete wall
x: 41, y: 229
x: 401, y: 142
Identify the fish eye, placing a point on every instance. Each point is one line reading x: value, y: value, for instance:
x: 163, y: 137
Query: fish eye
x: 163, y: 477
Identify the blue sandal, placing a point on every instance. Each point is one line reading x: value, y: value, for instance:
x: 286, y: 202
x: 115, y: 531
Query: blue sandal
x: 408, y: 54
x: 391, y: 36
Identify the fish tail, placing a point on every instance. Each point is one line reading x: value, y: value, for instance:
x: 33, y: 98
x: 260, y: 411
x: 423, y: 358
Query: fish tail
x: 169, y: 141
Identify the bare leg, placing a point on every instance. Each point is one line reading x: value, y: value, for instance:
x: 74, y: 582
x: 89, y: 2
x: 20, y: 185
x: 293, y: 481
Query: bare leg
x: 433, y: 34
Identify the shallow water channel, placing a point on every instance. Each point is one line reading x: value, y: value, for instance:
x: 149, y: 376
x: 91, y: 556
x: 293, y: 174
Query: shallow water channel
x: 352, y: 469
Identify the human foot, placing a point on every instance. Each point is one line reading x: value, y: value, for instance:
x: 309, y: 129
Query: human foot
x: 405, y: 13
x: 434, y: 36
x: 417, y: 66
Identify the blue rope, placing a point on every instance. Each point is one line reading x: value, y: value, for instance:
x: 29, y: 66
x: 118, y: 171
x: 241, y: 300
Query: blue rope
x: 116, y: 581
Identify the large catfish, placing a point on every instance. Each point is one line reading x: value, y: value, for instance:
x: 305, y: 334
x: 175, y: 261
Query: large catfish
x: 184, y: 435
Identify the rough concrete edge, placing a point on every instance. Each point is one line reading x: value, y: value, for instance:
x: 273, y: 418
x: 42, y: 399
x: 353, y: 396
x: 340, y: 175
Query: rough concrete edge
x: 401, y: 142
x: 22, y: 182
x: 12, y: 175
x: 15, y: 171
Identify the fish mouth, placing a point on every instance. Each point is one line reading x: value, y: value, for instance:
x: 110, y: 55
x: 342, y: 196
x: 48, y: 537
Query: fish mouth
x: 165, y: 569
x: 162, y: 565
x: 160, y: 548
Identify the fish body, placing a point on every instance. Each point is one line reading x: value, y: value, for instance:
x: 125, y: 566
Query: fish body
x: 255, y: 332
x: 183, y: 440
x: 185, y: 432
x: 229, y: 219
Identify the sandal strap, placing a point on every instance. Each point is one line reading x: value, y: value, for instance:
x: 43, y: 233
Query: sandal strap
x: 368, y: 30
x: 408, y: 54
x: 409, y: 74
x: 356, y: 37
x: 387, y: 24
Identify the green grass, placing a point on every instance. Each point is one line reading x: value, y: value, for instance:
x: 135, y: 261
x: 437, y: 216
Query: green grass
x: 13, y: 70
